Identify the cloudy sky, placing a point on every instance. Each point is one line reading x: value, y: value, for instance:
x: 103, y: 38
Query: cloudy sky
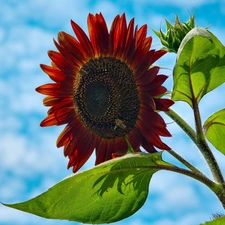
x: 30, y: 163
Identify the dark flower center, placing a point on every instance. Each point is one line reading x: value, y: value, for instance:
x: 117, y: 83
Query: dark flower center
x: 106, y: 97
x: 97, y: 97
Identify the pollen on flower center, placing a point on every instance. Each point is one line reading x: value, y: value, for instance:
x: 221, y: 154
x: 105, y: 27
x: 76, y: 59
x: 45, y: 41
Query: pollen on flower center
x: 106, y: 97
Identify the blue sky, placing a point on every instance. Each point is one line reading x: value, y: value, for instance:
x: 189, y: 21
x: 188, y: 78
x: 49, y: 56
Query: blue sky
x: 30, y: 163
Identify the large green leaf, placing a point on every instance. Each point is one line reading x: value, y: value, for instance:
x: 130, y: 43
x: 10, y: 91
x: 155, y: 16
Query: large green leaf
x: 107, y: 193
x: 218, y: 221
x: 214, y: 128
x: 200, y: 66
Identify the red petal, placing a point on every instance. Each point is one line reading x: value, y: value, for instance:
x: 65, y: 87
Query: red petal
x: 61, y: 63
x: 70, y: 131
x: 134, y: 138
x: 85, y: 150
x: 99, y: 35
x: 58, y: 117
x: 55, y: 74
x: 142, y: 53
x: 154, y: 118
x: 158, y: 54
x: 70, y: 60
x: 141, y: 34
x: 61, y: 105
x: 145, y: 63
x: 56, y: 90
x: 155, y: 124
x: 148, y: 146
x: 158, y: 91
x: 83, y: 39
x: 147, y: 100
x: 101, y: 152
x: 151, y: 136
x: 78, y: 139
x: 122, y: 35
x: 148, y: 76
x: 158, y: 81
x: 105, y: 150
x: 72, y: 48
x: 51, y: 101
x: 130, y: 42
x: 93, y: 33
x: 145, y: 45
x: 119, y: 32
x: 120, y: 146
x: 110, y: 149
x: 112, y: 35
x: 163, y: 104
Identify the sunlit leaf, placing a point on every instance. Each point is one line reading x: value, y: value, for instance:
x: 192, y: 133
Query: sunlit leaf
x: 200, y: 66
x: 107, y: 193
x: 214, y: 128
x: 218, y: 221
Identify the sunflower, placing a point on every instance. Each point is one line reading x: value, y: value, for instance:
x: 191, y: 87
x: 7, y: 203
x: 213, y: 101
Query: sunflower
x: 106, y: 91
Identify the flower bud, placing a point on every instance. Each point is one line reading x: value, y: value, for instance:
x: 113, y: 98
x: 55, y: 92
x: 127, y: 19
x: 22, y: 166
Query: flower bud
x: 174, y: 34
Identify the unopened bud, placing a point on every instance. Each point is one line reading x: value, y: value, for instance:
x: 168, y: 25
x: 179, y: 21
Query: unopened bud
x: 174, y: 34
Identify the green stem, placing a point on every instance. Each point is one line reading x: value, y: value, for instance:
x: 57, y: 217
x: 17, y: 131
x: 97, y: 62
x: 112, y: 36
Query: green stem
x: 197, y: 176
x: 204, y: 148
x: 199, y: 140
x: 130, y: 149
x: 184, y: 161
x: 183, y: 125
x: 218, y: 189
x: 220, y: 192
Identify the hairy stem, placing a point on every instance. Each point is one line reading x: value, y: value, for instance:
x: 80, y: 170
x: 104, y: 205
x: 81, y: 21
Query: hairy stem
x: 218, y: 189
x: 184, y: 161
x: 204, y: 148
x: 197, y: 176
x: 199, y: 139
x: 183, y: 124
x: 220, y: 192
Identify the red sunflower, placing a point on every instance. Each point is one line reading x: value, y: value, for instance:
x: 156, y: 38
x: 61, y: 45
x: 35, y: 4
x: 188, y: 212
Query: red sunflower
x: 105, y: 90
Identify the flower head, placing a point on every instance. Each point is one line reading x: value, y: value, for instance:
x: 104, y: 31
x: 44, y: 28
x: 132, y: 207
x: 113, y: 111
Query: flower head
x: 106, y: 91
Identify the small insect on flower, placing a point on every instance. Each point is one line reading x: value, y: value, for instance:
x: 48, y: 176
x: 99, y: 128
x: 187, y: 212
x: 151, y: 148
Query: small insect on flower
x: 119, y: 123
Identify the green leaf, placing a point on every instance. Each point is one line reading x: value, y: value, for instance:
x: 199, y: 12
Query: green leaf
x: 195, y: 32
x: 218, y: 221
x: 200, y: 66
x: 107, y: 193
x: 214, y: 128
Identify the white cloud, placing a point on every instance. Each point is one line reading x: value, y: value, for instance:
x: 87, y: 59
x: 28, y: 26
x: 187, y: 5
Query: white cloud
x: 104, y: 6
x: 185, y: 220
x: 30, y: 162
x: 181, y: 3
x: 179, y: 197
x: 11, y: 216
x: 21, y: 153
x: 8, y: 191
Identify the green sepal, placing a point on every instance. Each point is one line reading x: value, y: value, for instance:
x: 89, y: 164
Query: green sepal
x: 173, y: 36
